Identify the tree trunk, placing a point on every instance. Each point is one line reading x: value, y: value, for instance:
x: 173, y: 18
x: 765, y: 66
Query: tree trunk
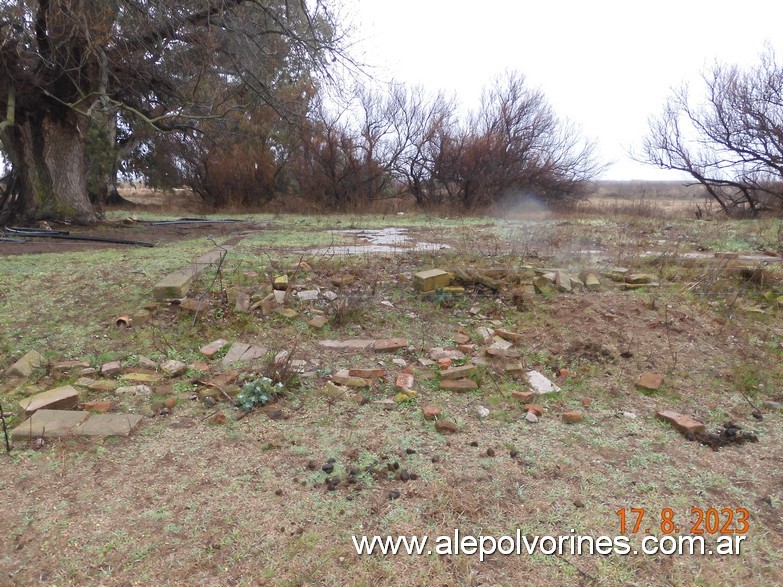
x: 48, y: 154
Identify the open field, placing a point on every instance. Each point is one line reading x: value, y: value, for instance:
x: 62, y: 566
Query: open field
x: 254, y: 499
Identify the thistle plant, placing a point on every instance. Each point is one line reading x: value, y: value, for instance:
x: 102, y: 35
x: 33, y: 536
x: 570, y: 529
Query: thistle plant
x: 257, y: 392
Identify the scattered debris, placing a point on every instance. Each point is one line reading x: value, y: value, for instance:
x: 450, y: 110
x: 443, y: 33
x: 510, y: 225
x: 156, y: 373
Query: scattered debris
x: 540, y: 384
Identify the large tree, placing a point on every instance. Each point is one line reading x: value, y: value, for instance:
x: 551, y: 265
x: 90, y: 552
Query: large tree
x: 116, y: 70
x: 728, y: 139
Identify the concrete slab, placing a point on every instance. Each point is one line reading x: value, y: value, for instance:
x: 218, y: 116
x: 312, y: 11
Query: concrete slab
x: 60, y: 398
x: 49, y: 424
x: 108, y: 425
x: 175, y: 286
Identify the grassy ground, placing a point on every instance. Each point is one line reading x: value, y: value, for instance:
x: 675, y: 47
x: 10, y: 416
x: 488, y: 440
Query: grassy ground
x: 188, y: 501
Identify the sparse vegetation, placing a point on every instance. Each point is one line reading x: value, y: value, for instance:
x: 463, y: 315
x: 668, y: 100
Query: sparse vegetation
x: 273, y: 497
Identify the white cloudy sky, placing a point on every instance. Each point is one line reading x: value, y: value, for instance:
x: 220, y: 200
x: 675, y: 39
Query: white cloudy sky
x: 607, y: 65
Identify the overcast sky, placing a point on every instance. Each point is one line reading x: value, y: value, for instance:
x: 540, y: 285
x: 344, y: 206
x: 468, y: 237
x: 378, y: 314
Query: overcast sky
x: 607, y: 65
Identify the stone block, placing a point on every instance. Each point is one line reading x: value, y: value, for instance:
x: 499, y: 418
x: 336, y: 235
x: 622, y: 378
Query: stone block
x: 175, y: 286
x: 241, y: 351
x: 458, y: 385
x: 592, y: 282
x: 650, y: 381
x: 24, y: 366
x: 60, y: 398
x: 572, y: 417
x: 288, y: 313
x: 242, y: 304
x: 173, y: 368
x: 111, y: 368
x: 213, y: 347
x: 542, y: 285
x: 389, y: 345
x: 343, y: 377
x: 97, y: 406
x: 684, y: 424
x: 108, y: 425
x: 562, y: 282
x: 318, y: 322
x: 458, y: 372
x: 431, y: 280
x: 356, y: 344
x: 523, y: 396
x: 445, y: 427
x: 142, y: 377
x: 367, y: 373
x: 49, y: 424
x: 430, y: 412
x: 639, y: 278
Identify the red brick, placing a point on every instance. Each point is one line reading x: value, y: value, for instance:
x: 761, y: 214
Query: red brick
x: 650, y: 380
x: 458, y: 385
x: 430, y: 412
x: 444, y: 363
x: 572, y: 417
x: 110, y: 369
x: 682, y: 423
x: 96, y: 406
x: 537, y: 409
x: 445, y: 427
x: 367, y: 373
x: 508, y: 335
x: 404, y: 381
x: 458, y: 372
x: 213, y: 347
x: 524, y: 396
x: 389, y: 344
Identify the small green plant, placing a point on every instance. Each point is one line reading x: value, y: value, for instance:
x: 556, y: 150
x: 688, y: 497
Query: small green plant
x: 257, y: 392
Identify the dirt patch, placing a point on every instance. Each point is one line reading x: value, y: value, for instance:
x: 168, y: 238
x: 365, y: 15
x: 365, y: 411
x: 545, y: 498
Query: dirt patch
x: 137, y: 231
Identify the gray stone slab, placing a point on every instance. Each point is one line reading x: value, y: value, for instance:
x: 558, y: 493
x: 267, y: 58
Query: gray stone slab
x: 241, y: 351
x: 108, y: 425
x: 58, y: 398
x: 355, y: 344
x: 175, y: 286
x: 49, y: 424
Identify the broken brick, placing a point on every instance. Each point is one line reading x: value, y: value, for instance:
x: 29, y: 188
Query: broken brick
x: 682, y: 423
x: 430, y: 412
x: 458, y: 385
x: 649, y: 380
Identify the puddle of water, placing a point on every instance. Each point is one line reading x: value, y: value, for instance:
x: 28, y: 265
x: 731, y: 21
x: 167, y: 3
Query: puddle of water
x: 379, y: 241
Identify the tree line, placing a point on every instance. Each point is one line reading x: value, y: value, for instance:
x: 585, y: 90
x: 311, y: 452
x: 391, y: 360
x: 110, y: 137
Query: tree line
x: 236, y: 100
